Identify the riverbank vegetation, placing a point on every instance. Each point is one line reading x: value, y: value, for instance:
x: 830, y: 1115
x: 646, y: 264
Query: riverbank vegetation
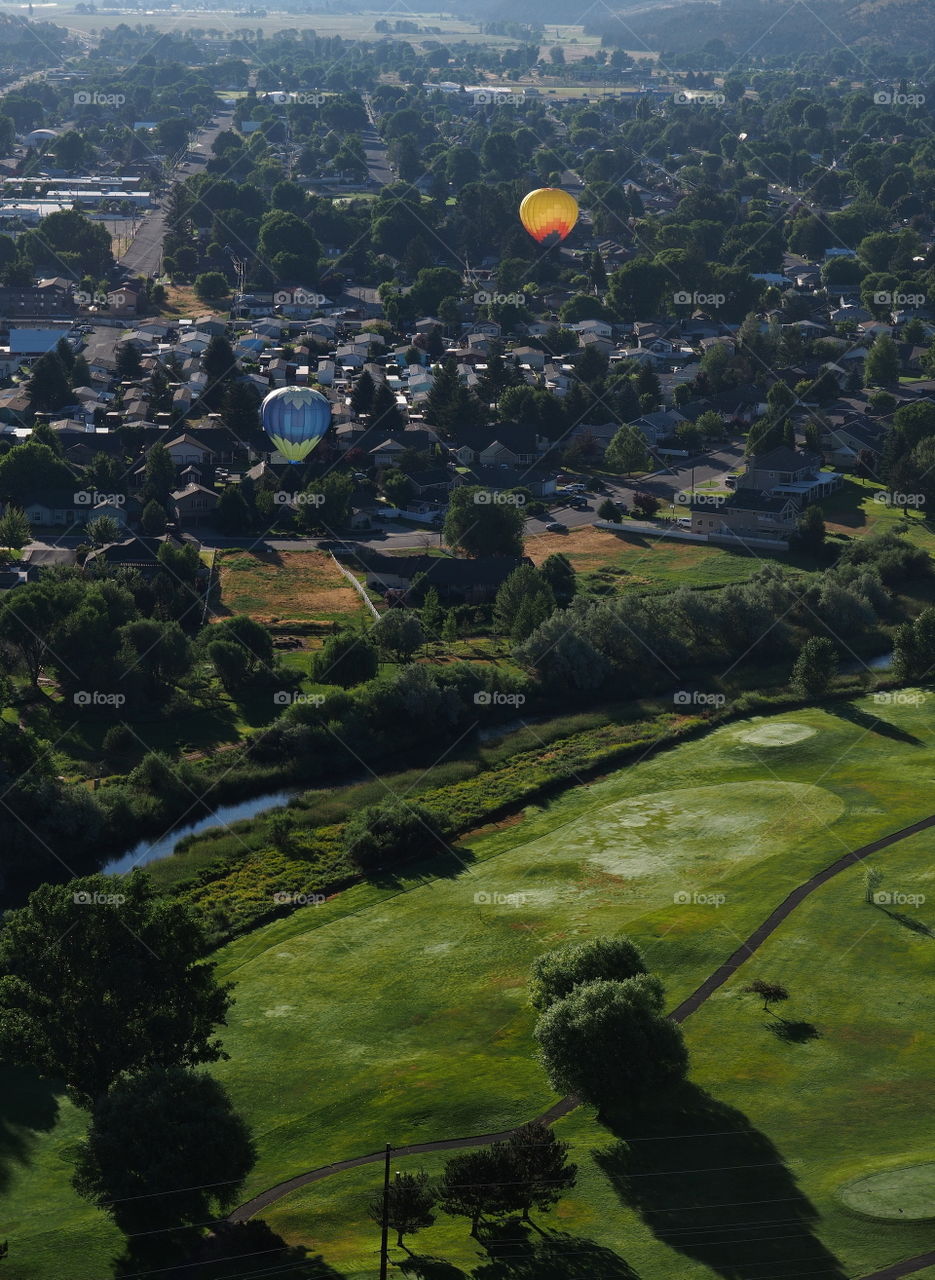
x: 646, y: 664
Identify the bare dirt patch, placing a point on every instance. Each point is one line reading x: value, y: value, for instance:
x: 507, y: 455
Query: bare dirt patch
x: 292, y: 586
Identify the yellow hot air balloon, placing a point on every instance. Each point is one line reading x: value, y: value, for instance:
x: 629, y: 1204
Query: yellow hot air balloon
x: 550, y: 211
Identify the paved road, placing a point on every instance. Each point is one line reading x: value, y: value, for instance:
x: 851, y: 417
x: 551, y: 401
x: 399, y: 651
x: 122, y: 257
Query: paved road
x: 375, y: 150
x: 905, y: 1268
x: 683, y: 1011
x: 664, y: 484
x: 144, y: 253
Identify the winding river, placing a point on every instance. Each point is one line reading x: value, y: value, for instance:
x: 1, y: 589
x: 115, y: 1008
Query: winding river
x: 149, y: 850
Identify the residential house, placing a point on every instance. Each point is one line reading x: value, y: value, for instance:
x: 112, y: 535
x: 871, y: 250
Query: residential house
x: 597, y: 342
x: 457, y: 581
x: 351, y: 357
x: 324, y: 373
x: 541, y: 484
x: 531, y: 356
x: 746, y: 514
x: 432, y: 483
x: 56, y: 507
x: 601, y: 328
x: 387, y: 453
x: 789, y: 472
x: 847, y: 435
x: 185, y: 449
x: 211, y: 325
x: 504, y: 443
x: 488, y: 328
x: 140, y: 553
x: 595, y: 436
x: 194, y: 505
x: 659, y: 426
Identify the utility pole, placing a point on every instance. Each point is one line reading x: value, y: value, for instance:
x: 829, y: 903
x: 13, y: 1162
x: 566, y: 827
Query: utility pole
x: 384, y: 1243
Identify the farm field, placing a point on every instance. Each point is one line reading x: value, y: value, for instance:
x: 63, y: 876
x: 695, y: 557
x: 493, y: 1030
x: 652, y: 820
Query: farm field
x: 286, y: 586
x: 418, y: 988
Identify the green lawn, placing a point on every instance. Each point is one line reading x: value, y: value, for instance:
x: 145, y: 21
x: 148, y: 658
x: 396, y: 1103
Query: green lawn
x: 630, y: 560
x: 398, y: 1012
x: 853, y: 510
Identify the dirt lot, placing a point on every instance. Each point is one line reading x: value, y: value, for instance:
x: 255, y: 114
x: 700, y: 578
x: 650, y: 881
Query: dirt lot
x: 293, y: 586
x: 182, y: 303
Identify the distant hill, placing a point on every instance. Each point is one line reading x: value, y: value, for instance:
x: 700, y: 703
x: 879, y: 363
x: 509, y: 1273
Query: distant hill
x: 772, y: 27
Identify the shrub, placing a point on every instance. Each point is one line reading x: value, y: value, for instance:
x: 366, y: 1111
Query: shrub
x: 385, y: 834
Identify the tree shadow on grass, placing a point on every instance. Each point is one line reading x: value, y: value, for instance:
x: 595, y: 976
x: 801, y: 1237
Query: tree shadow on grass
x: 794, y: 1032
x: 28, y: 1105
x: 423, y: 1267
x: 232, y: 1251
x: 522, y: 1251
x: 908, y: 922
x: 445, y: 863
x: 711, y: 1186
x: 864, y: 719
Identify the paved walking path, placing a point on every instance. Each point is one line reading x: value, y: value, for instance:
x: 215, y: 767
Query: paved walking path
x: 679, y: 1014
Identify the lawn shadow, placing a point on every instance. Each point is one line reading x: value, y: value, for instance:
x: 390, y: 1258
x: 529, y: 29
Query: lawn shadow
x: 794, y: 1032
x: 232, y: 1251
x: 446, y: 864
x: 848, y: 711
x: 711, y: 1186
x: 908, y: 922
x: 28, y: 1105
x: 423, y: 1267
x: 633, y: 535
x: 523, y: 1251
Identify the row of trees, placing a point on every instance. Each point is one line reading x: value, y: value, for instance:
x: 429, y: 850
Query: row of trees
x: 530, y: 1170
x: 631, y: 645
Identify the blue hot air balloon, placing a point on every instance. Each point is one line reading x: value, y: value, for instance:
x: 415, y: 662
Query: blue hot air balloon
x: 295, y: 419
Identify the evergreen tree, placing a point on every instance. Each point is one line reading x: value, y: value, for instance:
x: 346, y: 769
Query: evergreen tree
x: 159, y: 475
x: 153, y: 519
x: 240, y: 412
x: 385, y: 413
x: 128, y: 363
x: 47, y: 389
x: 363, y: 393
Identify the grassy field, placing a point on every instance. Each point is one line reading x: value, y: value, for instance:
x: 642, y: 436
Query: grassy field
x: 854, y: 511
x: 398, y: 1012
x: 632, y: 559
x: 778, y: 1132
x: 294, y: 586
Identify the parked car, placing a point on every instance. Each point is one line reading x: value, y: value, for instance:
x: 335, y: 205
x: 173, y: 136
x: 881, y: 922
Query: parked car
x: 556, y: 527
x: 578, y: 504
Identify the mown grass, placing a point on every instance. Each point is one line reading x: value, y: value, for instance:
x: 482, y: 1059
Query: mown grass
x: 397, y: 1011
